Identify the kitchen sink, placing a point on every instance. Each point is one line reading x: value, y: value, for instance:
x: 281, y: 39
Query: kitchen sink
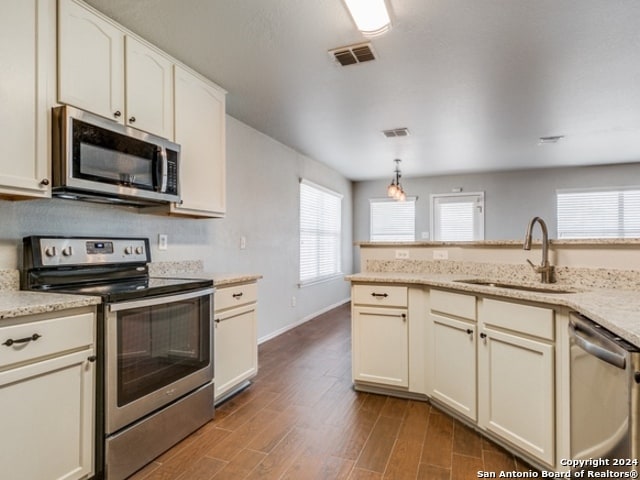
x: 516, y: 286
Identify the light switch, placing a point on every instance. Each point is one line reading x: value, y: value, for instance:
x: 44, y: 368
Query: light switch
x: 163, y: 242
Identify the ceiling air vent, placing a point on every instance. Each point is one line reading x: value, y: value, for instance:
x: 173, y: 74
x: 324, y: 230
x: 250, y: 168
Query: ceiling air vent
x: 352, y: 54
x: 551, y: 139
x: 396, y: 132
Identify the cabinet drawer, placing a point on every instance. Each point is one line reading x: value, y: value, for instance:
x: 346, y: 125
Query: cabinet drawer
x: 536, y: 321
x: 455, y: 304
x: 234, y: 296
x: 383, y: 295
x: 52, y: 336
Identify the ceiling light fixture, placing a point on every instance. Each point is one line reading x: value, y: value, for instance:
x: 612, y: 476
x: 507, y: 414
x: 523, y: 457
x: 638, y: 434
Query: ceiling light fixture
x: 394, y: 190
x: 370, y: 16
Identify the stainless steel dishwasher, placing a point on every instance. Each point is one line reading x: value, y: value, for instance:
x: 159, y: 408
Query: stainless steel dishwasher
x: 605, y: 394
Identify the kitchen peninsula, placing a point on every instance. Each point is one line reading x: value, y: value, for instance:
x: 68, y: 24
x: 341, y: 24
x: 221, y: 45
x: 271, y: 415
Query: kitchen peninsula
x: 470, y: 327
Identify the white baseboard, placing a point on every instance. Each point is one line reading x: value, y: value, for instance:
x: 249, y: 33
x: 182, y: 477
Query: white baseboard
x: 301, y: 321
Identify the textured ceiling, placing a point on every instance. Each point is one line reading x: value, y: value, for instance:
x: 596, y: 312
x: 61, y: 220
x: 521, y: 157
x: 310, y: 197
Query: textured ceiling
x: 477, y: 82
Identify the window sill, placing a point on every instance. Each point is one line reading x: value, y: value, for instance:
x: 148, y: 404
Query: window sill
x: 315, y: 281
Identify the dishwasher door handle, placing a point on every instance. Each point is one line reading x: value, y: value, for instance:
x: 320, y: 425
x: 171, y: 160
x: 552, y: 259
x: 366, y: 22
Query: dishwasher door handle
x: 591, y: 341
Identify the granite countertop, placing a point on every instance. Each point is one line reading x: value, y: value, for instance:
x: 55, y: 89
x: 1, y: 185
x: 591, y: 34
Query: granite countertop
x: 616, y: 310
x: 195, y: 269
x: 16, y: 303
x: 219, y: 279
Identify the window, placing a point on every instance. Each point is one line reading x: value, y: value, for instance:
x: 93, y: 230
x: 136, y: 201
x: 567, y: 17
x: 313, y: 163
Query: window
x: 320, y: 232
x: 391, y: 220
x: 598, y: 213
x: 457, y: 217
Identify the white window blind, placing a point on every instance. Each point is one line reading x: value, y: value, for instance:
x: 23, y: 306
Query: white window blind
x: 457, y: 217
x: 598, y: 213
x: 320, y: 232
x: 391, y: 220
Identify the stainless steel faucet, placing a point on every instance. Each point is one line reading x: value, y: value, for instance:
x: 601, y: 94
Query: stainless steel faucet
x: 544, y: 269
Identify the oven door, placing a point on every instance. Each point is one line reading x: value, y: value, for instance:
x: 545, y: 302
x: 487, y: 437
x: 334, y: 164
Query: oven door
x: 156, y: 350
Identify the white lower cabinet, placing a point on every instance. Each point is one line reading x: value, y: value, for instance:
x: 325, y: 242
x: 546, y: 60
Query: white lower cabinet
x: 381, y: 346
x: 235, y: 336
x: 491, y: 362
x: 380, y: 338
x: 516, y: 393
x: 454, y: 365
x: 452, y: 351
x: 47, y: 398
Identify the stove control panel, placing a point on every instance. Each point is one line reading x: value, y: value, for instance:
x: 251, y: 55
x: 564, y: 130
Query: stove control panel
x: 54, y: 251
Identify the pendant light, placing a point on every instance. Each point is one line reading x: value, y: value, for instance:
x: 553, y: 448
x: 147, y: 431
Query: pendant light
x: 394, y: 190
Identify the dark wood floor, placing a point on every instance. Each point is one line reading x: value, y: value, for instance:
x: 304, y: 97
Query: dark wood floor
x: 301, y: 419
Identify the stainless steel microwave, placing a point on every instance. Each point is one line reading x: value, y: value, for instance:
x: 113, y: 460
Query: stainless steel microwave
x: 97, y: 159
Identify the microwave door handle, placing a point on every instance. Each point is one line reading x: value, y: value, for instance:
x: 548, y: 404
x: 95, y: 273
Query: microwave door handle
x: 161, y: 168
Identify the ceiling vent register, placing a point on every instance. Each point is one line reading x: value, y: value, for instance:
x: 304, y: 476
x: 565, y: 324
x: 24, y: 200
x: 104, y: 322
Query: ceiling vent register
x: 396, y: 132
x: 353, y: 54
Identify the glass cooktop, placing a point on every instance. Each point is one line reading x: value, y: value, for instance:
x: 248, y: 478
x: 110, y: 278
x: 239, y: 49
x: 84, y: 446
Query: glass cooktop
x: 138, y: 288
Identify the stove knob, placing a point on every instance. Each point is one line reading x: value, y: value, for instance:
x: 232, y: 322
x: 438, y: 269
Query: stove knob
x: 67, y: 252
x: 50, y: 251
x: 128, y: 250
x: 139, y: 250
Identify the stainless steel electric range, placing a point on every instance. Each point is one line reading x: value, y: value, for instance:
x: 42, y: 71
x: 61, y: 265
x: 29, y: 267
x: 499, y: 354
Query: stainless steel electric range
x: 154, y: 343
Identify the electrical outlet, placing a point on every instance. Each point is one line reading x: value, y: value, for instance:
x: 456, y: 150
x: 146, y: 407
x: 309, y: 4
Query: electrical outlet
x: 243, y: 242
x: 293, y: 301
x: 402, y: 254
x: 441, y: 254
x: 163, y: 242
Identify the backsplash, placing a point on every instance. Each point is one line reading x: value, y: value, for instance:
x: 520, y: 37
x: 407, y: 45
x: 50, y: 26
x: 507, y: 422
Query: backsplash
x: 575, y: 276
x: 160, y: 269
x: 9, y: 280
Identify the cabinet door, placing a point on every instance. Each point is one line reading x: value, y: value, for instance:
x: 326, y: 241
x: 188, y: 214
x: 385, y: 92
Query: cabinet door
x: 380, y: 346
x: 516, y: 391
x: 27, y: 78
x: 200, y: 131
x: 149, y: 87
x: 47, y: 421
x: 453, y: 360
x: 90, y: 61
x: 236, y: 348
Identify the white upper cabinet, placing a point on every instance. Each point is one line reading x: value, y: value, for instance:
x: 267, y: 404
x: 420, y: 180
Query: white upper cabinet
x: 27, y: 88
x: 104, y: 70
x: 90, y: 61
x: 200, y: 131
x: 149, y: 88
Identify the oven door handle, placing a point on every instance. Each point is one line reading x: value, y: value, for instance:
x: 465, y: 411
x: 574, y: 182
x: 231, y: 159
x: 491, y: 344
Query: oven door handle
x: 161, y: 300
